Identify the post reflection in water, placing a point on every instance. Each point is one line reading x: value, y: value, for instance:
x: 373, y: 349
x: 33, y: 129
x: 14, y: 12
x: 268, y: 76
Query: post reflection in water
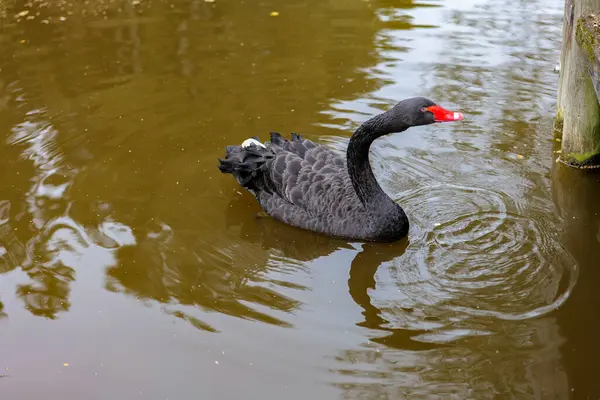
x: 131, y: 267
x: 575, y: 195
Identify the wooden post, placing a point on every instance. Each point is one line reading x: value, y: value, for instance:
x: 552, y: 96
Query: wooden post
x: 578, y: 110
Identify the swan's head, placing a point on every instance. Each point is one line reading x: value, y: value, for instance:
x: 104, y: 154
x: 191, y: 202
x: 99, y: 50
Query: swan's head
x: 422, y: 111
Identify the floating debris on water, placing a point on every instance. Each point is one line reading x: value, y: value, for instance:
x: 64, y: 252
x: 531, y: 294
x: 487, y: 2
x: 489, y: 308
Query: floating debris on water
x: 274, y: 14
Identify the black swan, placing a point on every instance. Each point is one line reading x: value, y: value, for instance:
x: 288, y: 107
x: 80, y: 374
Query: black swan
x: 310, y: 186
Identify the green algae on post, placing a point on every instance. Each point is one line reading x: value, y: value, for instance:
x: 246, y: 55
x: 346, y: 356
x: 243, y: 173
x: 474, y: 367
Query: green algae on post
x: 588, y: 35
x: 588, y: 38
x: 589, y: 160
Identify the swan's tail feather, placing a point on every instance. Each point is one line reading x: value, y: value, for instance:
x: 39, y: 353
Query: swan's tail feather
x: 277, y: 139
x: 248, y: 164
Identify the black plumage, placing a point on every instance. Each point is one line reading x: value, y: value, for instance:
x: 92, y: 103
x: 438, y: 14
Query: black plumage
x: 309, y: 186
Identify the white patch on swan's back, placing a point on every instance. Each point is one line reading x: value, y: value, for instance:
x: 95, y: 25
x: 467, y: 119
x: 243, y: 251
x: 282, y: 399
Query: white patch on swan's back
x: 248, y: 142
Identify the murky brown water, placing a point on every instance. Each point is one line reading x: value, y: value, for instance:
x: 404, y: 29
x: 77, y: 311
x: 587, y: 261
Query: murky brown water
x: 131, y: 268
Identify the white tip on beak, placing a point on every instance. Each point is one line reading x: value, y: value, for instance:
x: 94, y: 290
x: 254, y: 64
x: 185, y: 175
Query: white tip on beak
x: 458, y: 116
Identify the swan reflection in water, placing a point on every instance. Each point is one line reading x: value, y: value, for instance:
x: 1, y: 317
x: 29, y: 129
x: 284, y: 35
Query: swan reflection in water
x: 308, y: 247
x: 362, y: 279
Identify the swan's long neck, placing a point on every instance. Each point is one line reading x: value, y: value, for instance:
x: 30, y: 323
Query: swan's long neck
x: 359, y: 168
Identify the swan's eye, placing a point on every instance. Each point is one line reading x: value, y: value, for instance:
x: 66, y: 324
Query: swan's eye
x: 423, y: 109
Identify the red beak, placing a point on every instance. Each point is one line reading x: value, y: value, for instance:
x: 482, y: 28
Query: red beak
x: 442, y: 115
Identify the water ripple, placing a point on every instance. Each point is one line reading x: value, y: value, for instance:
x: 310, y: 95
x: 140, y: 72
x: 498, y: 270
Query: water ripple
x: 472, y: 254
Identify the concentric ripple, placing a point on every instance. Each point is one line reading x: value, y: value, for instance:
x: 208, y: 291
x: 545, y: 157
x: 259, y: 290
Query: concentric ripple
x: 474, y: 254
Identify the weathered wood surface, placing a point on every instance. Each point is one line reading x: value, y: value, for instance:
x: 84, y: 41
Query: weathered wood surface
x: 578, y: 109
x: 588, y: 37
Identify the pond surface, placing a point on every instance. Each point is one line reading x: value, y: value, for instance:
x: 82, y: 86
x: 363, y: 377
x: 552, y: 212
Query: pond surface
x: 132, y: 268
